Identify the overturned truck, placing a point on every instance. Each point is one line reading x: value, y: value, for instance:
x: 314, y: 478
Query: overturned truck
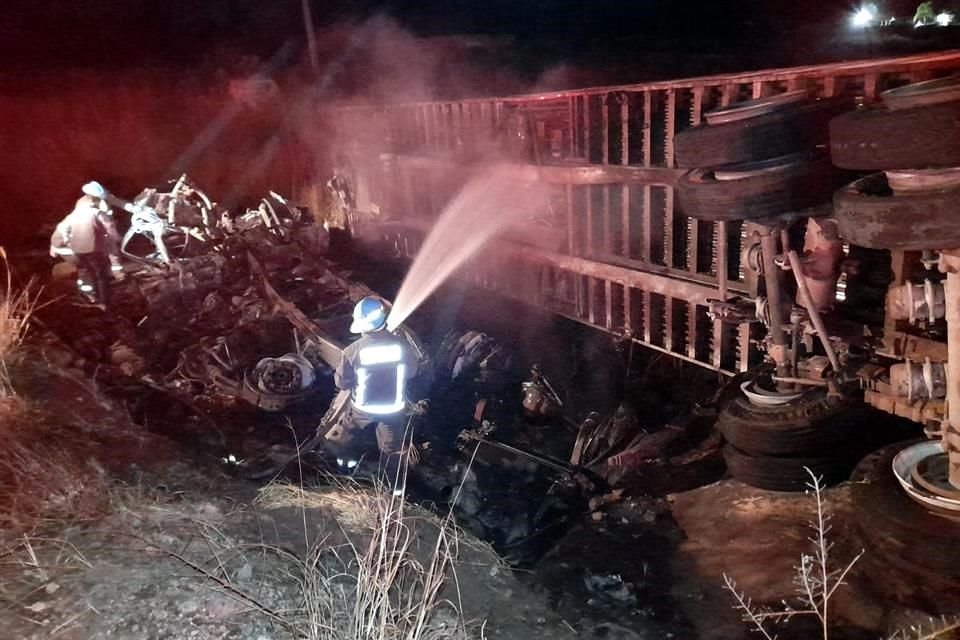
x: 793, y: 228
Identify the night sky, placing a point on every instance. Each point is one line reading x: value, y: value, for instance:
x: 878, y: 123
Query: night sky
x: 151, y: 74
x: 699, y: 35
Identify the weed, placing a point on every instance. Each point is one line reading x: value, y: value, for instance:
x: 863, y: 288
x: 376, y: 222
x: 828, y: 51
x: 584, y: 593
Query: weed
x: 376, y: 586
x: 947, y: 626
x: 16, y: 307
x: 816, y: 579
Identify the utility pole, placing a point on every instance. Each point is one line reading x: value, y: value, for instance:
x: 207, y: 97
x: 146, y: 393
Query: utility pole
x: 311, y: 37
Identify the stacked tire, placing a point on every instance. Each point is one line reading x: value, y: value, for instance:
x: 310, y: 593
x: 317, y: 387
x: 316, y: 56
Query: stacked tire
x: 911, y: 143
x: 771, y: 447
x: 916, y: 549
x: 758, y: 159
x: 912, y: 139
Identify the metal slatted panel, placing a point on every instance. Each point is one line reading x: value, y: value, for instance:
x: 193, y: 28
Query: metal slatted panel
x: 633, y: 223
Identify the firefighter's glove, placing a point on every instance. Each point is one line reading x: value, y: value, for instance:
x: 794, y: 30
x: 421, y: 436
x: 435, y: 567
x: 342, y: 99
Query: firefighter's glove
x: 419, y: 408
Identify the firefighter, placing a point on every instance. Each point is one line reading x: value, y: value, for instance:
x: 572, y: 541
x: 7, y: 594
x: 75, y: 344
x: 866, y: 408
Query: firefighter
x: 88, y: 238
x: 375, y: 369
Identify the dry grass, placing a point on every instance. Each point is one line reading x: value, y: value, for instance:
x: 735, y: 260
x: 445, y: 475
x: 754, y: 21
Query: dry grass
x: 355, y: 509
x: 44, y: 472
x: 30, y: 564
x: 381, y: 584
x: 944, y: 627
x: 16, y: 307
x: 45, y: 478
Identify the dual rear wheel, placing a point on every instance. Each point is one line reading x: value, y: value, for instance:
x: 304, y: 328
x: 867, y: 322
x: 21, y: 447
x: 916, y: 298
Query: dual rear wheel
x: 771, y: 447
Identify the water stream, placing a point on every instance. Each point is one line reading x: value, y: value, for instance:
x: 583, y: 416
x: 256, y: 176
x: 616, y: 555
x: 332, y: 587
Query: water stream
x: 486, y: 206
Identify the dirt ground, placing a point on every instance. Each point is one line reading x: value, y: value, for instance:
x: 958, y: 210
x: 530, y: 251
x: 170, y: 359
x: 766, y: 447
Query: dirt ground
x: 170, y: 546
x: 132, y: 536
x: 194, y: 567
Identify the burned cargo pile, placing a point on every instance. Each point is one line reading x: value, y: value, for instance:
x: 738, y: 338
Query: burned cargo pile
x: 205, y: 308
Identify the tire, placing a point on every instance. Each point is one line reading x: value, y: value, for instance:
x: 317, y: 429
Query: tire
x: 905, y: 585
x: 774, y: 187
x: 808, y: 426
x: 870, y: 215
x: 782, y: 474
x: 900, y: 534
x: 918, y: 138
x: 789, y: 130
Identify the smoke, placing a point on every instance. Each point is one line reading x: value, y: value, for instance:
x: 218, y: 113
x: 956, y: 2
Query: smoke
x: 397, y: 66
x: 487, y: 205
x: 132, y: 126
x: 473, y: 206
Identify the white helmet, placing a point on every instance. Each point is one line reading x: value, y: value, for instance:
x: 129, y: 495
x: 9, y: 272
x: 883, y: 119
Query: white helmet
x: 370, y: 314
x: 94, y: 189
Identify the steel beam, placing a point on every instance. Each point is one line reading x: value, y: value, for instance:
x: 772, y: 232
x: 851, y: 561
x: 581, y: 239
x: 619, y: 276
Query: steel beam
x: 575, y: 174
x: 904, y: 64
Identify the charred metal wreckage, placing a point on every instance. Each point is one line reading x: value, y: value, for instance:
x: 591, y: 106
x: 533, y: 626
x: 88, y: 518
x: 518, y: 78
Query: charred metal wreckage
x: 793, y: 228
x: 245, y: 313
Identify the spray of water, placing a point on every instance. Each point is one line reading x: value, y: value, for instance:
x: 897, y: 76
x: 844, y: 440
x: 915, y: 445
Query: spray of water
x: 486, y: 206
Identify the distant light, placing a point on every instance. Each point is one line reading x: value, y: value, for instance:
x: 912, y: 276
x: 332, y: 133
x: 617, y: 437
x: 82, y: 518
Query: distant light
x: 863, y: 17
x: 944, y: 18
x: 86, y: 288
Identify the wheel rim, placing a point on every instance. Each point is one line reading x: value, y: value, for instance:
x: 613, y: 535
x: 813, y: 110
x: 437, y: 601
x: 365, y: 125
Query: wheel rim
x: 749, y: 169
x: 933, y: 474
x: 761, y: 397
x: 923, y: 93
x: 912, y: 181
x: 753, y: 108
x: 920, y: 460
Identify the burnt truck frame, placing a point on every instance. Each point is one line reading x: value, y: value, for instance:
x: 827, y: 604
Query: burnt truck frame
x: 616, y: 251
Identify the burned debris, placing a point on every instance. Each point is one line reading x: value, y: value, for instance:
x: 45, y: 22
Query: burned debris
x: 241, y: 320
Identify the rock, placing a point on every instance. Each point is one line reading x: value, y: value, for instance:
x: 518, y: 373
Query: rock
x: 209, y: 509
x: 245, y: 573
x: 611, y: 587
x: 599, y: 501
x: 188, y: 606
x: 612, y: 631
x: 122, y: 354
